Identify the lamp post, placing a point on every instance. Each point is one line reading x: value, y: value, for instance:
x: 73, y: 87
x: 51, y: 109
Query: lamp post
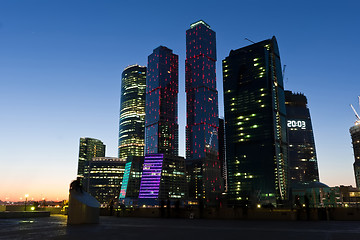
x: 26, y: 196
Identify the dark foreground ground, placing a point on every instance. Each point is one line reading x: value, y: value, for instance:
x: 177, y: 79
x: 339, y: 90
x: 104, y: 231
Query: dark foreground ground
x: 55, y: 227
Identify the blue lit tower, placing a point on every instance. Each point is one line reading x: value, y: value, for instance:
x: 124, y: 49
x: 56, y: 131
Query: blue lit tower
x: 201, y: 93
x: 202, y: 157
x: 255, y: 125
x: 161, y: 122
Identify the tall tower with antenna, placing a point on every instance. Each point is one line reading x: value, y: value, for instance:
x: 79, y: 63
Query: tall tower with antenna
x: 355, y: 136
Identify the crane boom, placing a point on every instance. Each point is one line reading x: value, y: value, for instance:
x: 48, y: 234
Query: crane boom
x: 283, y: 73
x: 356, y: 114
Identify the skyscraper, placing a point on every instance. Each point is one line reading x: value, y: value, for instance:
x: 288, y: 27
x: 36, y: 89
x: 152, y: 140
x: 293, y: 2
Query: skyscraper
x: 163, y: 175
x: 303, y: 166
x: 89, y: 148
x: 132, y: 111
x: 355, y: 136
x: 161, y: 121
x: 103, y: 177
x: 202, y: 153
x: 201, y: 94
x: 255, y: 124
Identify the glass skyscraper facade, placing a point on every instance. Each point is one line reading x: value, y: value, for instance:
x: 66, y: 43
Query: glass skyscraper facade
x: 202, y: 148
x: 161, y: 121
x: 255, y: 125
x: 88, y: 149
x: 201, y: 94
x: 103, y: 177
x: 132, y: 112
x: 303, y: 166
x: 163, y: 175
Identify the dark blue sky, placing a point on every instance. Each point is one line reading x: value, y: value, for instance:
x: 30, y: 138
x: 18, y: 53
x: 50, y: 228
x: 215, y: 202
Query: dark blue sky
x: 61, y: 61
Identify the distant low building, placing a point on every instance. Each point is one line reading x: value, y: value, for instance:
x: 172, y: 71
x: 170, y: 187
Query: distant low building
x: 350, y: 196
x: 317, y: 194
x: 103, y: 177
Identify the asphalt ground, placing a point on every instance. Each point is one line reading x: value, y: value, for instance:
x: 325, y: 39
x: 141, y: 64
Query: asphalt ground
x: 111, y: 227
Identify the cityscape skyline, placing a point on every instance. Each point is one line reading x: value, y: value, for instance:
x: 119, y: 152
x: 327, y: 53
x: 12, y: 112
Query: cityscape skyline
x: 55, y: 80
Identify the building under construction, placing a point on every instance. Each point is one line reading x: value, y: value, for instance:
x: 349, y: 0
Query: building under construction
x: 355, y: 136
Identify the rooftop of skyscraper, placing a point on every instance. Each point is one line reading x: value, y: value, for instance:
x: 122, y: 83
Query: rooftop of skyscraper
x: 199, y: 22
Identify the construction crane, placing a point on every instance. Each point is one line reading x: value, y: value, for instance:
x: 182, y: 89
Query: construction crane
x: 249, y: 40
x: 284, y: 70
x: 356, y: 114
x: 211, y: 137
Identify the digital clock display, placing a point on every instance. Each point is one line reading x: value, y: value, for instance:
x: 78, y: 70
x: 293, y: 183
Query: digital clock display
x: 296, y: 124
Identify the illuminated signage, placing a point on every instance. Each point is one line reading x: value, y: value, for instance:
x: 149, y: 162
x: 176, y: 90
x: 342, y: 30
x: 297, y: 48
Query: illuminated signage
x: 296, y: 124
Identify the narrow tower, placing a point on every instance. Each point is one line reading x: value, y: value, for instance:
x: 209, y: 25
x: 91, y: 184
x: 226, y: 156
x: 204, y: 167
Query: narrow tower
x: 163, y: 174
x: 161, y: 121
x: 202, y: 148
x: 201, y: 94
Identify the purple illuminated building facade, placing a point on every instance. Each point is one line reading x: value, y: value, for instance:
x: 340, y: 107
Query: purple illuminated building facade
x: 161, y: 121
x: 151, y: 176
x: 163, y: 177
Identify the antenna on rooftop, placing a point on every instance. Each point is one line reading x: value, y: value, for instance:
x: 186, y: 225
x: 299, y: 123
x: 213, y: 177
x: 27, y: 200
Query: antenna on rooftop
x: 249, y: 40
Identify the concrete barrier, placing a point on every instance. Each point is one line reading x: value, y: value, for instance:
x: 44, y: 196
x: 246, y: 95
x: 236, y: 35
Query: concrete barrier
x: 83, y: 208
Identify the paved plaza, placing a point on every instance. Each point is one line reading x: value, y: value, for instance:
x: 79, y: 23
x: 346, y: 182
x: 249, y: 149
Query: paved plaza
x: 55, y: 227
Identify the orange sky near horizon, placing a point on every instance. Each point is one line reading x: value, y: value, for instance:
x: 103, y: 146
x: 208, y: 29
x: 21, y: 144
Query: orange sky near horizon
x: 49, y: 181
x: 58, y: 192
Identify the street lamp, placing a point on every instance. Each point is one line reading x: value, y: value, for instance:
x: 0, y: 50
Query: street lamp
x: 26, y: 196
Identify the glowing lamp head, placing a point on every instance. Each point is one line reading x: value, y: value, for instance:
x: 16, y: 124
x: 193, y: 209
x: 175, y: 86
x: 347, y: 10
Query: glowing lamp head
x: 26, y: 195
